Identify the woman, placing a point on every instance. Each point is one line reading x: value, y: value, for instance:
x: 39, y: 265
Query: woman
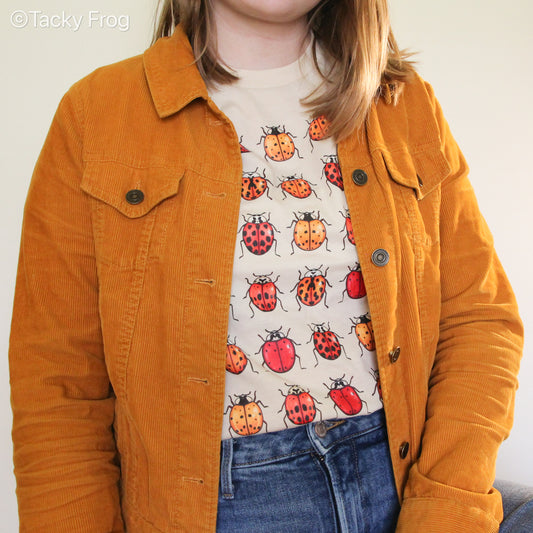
x: 207, y: 257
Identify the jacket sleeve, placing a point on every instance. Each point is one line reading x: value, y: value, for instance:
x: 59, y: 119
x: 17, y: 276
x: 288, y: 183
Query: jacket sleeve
x: 63, y: 405
x: 474, y: 376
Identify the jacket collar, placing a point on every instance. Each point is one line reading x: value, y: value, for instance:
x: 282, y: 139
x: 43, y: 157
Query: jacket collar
x: 173, y: 78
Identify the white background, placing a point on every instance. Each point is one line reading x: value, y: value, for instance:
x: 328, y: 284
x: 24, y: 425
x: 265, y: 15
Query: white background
x: 476, y: 54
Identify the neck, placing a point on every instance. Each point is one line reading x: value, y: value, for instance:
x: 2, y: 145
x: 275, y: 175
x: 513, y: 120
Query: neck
x: 253, y: 44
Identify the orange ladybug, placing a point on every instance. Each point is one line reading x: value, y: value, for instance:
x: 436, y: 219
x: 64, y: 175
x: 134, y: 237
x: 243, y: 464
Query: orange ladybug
x: 246, y: 417
x: 364, y: 331
x: 311, y: 288
x: 309, y: 231
x: 278, y: 144
x: 254, y: 185
x: 297, y: 187
x: 318, y: 128
x: 236, y: 359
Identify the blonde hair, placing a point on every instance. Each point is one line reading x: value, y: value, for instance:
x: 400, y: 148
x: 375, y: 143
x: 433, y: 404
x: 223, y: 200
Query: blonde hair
x: 356, y: 34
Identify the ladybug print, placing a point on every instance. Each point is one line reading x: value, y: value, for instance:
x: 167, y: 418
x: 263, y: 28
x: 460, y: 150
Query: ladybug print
x: 311, y: 289
x: 297, y: 187
x: 345, y: 396
x: 263, y: 293
x: 326, y: 343
x: 355, y: 284
x: 318, y: 128
x: 236, y: 359
x: 246, y: 416
x: 278, y: 144
x: 364, y: 331
x: 300, y: 406
x: 332, y: 171
x: 375, y: 375
x: 257, y: 234
x: 349, y: 229
x: 309, y: 231
x: 231, y: 310
x: 254, y: 185
x: 244, y: 150
x: 279, y: 352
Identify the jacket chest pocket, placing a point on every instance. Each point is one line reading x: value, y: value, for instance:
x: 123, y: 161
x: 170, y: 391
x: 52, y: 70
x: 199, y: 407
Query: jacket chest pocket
x: 417, y: 191
x: 416, y: 188
x: 132, y: 209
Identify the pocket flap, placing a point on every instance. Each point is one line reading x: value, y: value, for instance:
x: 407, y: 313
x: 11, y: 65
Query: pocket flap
x: 422, y: 171
x: 110, y: 182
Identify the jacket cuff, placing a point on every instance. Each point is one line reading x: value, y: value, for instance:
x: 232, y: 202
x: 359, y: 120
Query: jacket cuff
x: 435, y: 515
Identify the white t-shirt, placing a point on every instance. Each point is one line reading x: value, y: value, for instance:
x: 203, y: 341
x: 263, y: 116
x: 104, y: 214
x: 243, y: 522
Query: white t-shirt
x: 300, y: 339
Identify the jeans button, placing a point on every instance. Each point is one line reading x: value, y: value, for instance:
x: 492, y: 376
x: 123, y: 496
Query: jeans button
x: 321, y: 429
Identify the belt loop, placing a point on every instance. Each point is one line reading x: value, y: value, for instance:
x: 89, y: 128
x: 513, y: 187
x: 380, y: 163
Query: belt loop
x: 226, y: 461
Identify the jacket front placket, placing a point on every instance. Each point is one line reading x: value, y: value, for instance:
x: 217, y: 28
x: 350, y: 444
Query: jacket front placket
x: 376, y: 233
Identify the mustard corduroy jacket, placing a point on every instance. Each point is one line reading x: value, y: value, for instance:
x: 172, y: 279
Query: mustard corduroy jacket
x: 118, y: 339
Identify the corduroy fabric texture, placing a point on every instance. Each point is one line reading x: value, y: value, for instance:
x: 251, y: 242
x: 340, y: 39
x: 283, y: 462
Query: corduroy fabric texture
x: 118, y: 340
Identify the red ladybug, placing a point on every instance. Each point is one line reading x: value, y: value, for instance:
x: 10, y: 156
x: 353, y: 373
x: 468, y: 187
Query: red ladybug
x: 326, y: 343
x: 254, y: 185
x: 263, y: 293
x: 349, y: 229
x: 299, y: 405
x: 311, y: 289
x: 355, y: 284
x: 278, y: 144
x: 236, y: 359
x: 309, y: 231
x: 297, y: 187
x: 257, y: 234
x: 345, y: 396
x: 375, y: 375
x: 279, y: 352
x: 332, y: 171
x: 318, y: 128
x: 246, y: 417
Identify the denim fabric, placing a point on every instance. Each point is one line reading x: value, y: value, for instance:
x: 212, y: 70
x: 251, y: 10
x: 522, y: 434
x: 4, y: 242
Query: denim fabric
x: 326, y: 477
x: 517, y: 507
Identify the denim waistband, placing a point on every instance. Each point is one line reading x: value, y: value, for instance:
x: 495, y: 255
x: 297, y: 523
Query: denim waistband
x: 318, y: 435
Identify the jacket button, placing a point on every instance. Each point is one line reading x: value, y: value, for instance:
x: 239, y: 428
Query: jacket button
x: 359, y: 177
x: 404, y: 450
x: 380, y: 257
x: 394, y: 354
x: 135, y: 196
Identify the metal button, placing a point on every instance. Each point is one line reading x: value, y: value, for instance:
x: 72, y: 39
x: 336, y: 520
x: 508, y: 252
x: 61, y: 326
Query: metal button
x: 321, y: 429
x: 380, y: 257
x: 394, y: 354
x: 135, y: 196
x: 404, y: 450
x: 359, y: 177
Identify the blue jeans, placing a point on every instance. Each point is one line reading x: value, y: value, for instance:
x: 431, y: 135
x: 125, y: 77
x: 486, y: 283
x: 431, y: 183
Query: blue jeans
x: 323, y: 478
x: 317, y: 478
